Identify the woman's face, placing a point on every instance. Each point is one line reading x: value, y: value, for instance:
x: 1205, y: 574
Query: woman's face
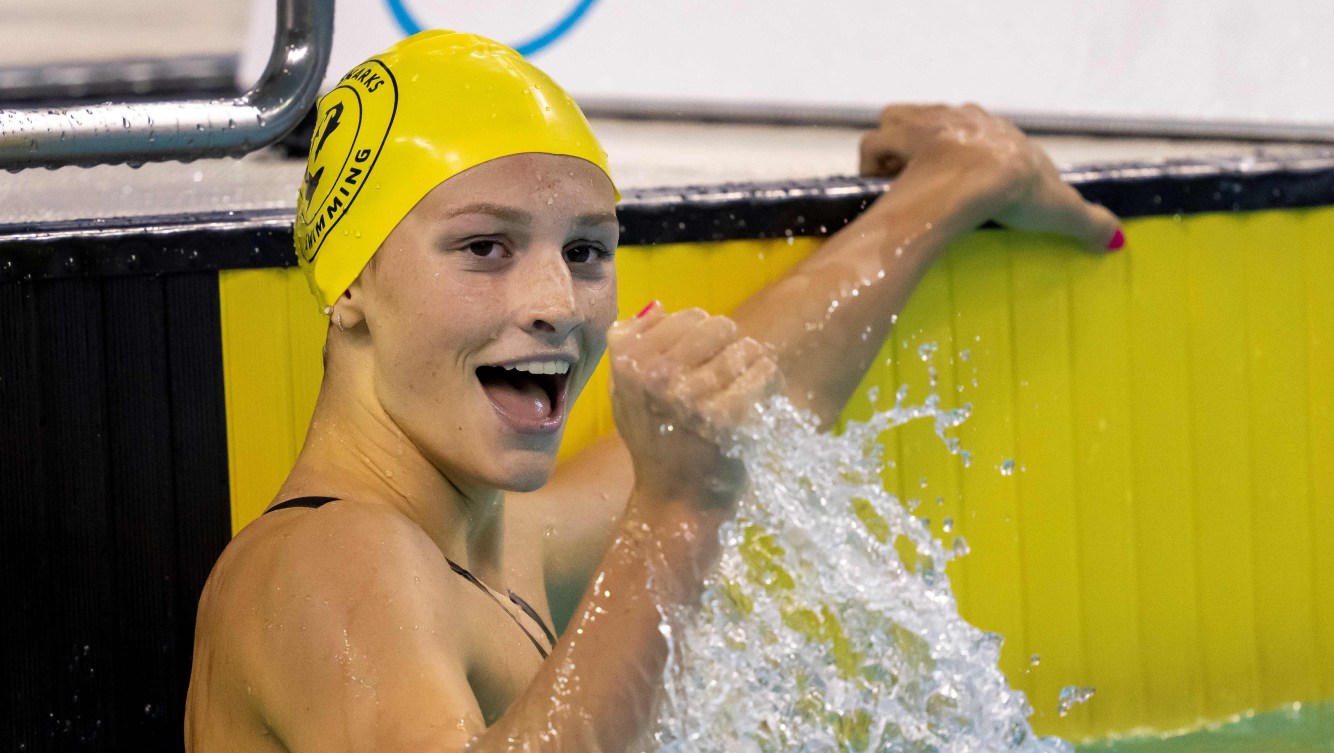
x: 488, y: 308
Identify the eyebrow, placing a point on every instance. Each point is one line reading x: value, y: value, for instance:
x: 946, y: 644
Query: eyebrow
x: 495, y: 210
x: 598, y: 218
x: 511, y: 214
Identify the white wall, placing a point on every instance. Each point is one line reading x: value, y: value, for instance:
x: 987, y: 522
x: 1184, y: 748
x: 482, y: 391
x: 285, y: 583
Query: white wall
x: 35, y: 32
x: 1240, y: 60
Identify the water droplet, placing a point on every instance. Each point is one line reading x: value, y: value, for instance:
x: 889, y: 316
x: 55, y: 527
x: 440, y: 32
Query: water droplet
x: 1007, y: 467
x: 960, y: 547
x: 1071, y: 696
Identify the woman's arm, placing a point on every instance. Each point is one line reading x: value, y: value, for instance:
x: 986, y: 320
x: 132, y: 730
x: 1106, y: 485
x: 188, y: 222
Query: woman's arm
x: 825, y: 321
x: 954, y: 169
x: 363, y: 647
x: 680, y: 382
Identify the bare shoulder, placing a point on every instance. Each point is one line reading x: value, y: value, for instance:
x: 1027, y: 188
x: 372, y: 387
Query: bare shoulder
x: 314, y: 618
x: 342, y: 549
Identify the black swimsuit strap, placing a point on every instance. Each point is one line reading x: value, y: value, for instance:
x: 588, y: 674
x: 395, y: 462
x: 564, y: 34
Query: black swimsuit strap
x: 300, y: 502
x: 551, y: 638
x: 313, y: 502
x: 482, y: 586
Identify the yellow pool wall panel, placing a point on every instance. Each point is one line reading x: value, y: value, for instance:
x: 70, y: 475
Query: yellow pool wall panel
x: 1150, y: 490
x: 272, y: 342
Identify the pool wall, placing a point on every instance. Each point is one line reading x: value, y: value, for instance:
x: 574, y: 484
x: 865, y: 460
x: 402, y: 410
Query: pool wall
x: 1167, y: 410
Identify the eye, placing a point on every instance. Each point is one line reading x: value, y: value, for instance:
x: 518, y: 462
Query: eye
x: 486, y: 248
x: 585, y: 253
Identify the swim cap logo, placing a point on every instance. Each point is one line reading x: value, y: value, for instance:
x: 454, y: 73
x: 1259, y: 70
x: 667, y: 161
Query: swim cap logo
x: 354, y: 121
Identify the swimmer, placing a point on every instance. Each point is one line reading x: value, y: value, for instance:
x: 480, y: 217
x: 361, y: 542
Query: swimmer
x: 457, y: 220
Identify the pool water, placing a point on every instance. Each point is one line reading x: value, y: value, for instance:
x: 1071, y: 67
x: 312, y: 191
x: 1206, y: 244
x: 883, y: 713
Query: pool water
x: 1299, y: 728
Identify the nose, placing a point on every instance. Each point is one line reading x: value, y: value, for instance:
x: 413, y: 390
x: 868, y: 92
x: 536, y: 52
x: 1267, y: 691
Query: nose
x: 551, y: 306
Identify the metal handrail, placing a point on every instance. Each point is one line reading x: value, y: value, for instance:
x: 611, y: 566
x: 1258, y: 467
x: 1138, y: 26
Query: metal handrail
x: 115, y: 133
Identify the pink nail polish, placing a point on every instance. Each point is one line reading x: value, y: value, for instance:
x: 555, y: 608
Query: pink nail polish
x: 646, y: 309
x: 1117, y: 241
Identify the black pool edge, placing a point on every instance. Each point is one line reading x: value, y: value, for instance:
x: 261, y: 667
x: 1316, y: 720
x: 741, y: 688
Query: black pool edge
x: 818, y: 207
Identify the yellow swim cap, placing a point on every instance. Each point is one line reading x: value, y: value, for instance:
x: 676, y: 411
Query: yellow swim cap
x: 396, y: 126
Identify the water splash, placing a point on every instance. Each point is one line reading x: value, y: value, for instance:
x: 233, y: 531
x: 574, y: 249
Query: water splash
x: 829, y: 623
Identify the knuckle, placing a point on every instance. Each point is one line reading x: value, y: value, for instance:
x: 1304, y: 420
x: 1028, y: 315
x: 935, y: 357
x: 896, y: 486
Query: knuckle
x: 685, y: 317
x: 725, y: 325
x: 734, y: 359
x: 680, y: 392
x: 659, y: 372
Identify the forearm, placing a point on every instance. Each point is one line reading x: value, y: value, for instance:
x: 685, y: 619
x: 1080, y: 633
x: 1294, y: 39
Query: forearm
x: 828, y: 318
x: 596, y: 691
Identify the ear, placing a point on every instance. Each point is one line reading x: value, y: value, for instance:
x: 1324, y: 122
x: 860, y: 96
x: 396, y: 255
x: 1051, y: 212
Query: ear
x: 349, y: 311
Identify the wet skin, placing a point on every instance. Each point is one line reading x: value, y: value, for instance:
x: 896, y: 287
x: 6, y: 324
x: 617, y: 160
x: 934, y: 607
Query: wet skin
x: 343, y: 628
x: 509, y: 262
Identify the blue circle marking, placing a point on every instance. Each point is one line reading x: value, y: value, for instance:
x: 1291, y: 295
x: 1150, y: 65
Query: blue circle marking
x: 545, y: 38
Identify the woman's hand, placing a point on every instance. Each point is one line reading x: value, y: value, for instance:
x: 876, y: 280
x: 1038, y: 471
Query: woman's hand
x: 1008, y: 178
x: 680, y: 383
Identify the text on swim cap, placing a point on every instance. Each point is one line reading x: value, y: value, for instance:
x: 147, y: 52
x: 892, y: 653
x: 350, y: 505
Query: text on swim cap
x: 351, y: 128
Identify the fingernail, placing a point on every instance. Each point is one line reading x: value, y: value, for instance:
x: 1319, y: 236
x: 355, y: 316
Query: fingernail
x: 646, y: 309
x: 1117, y: 241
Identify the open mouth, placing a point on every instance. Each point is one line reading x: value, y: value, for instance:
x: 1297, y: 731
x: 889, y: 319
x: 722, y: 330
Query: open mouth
x: 530, y: 395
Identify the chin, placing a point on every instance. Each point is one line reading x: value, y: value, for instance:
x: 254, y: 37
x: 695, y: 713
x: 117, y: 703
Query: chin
x: 528, y: 472
x: 528, y: 481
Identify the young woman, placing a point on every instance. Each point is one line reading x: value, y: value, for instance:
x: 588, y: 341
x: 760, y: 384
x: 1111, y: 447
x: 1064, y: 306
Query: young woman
x: 458, y: 222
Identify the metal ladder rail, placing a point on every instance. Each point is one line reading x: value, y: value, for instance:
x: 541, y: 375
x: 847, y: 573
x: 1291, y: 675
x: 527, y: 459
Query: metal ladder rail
x: 183, y: 129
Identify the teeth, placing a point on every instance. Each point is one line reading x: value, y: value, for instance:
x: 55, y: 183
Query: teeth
x: 540, y: 367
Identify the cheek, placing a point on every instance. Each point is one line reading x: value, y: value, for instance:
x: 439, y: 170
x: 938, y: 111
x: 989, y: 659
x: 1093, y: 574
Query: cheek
x: 429, y: 339
x: 600, y: 305
x: 602, y: 301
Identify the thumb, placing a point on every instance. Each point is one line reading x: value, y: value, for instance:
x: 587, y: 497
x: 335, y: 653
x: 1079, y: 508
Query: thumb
x: 629, y: 328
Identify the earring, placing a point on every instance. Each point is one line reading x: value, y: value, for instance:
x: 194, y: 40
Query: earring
x: 337, y: 317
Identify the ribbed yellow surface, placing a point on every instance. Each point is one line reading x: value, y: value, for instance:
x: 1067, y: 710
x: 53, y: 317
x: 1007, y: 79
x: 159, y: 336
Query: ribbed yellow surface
x: 1168, y: 413
x: 272, y: 336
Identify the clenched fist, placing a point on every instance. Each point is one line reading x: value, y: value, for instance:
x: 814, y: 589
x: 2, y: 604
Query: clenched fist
x: 680, y: 383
